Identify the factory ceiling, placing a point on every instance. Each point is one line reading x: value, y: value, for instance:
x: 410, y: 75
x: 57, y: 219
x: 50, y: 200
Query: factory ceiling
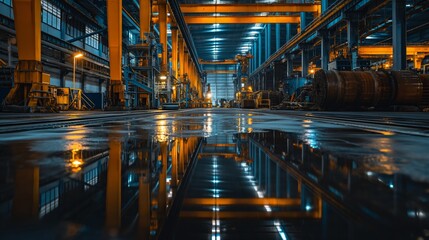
x: 223, y: 29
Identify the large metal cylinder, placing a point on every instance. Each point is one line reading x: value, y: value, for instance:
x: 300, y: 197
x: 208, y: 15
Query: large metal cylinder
x: 409, y: 88
x: 364, y: 89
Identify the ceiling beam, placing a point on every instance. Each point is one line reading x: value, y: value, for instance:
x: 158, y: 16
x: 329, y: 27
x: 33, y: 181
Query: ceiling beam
x: 249, y: 8
x: 240, y: 19
x: 388, y: 50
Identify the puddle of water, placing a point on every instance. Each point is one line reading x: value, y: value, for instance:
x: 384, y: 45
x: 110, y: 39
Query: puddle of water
x: 120, y: 179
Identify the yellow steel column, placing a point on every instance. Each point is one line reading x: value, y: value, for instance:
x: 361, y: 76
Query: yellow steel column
x: 174, y: 165
x: 192, y: 73
x: 144, y: 207
x: 162, y: 193
x: 174, y: 46
x: 113, y: 189
x: 114, y: 24
x: 145, y: 18
x: 191, y: 77
x: 144, y: 195
x: 185, y: 154
x: 162, y: 9
x: 26, y: 198
x: 181, y: 57
x: 181, y: 158
x: 186, y: 64
x: 27, y: 26
x: 28, y: 72
x: 198, y: 88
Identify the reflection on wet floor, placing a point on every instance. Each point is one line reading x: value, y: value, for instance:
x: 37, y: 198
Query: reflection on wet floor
x: 121, y: 187
x: 271, y: 185
x: 202, y: 176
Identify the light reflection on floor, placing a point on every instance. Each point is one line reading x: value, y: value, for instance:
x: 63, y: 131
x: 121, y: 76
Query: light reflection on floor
x: 308, y: 174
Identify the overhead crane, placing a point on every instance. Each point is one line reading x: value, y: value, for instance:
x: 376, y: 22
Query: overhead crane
x: 251, y: 8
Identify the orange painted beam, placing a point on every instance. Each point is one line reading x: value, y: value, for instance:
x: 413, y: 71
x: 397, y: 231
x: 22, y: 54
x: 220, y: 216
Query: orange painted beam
x: 241, y: 19
x: 249, y: 8
x: 388, y: 50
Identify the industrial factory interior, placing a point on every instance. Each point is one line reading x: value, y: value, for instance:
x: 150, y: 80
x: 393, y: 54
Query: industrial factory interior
x: 214, y: 119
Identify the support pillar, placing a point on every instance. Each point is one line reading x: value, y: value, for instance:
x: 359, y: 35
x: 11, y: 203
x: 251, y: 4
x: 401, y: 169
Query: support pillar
x: 304, y: 60
x: 277, y: 36
x: 114, y: 30
x: 292, y: 187
x: 27, y: 194
x: 174, y: 49
x: 324, y: 54
x: 353, y: 37
x: 288, y: 32
x: 324, y: 5
x: 63, y: 73
x: 254, y: 52
x: 267, y: 41
x: 162, y: 194
x: 175, y: 54
x: 289, y: 66
x: 145, y: 19
x: 181, y: 50
x: 114, y: 184
x: 144, y: 197
x: 260, y: 50
x: 30, y: 88
x: 399, y: 35
x: 181, y: 169
x: 186, y: 65
x: 162, y: 19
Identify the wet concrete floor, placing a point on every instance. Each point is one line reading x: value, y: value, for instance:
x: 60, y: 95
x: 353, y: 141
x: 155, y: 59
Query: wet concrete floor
x: 213, y: 174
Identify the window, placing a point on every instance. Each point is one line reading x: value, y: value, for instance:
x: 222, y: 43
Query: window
x: 51, y: 14
x: 74, y: 27
x: 7, y: 2
x: 90, y: 178
x: 131, y: 38
x: 49, y: 201
x: 91, y: 40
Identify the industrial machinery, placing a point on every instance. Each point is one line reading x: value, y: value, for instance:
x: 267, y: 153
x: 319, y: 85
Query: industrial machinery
x: 140, y: 73
x: 245, y: 95
x: 335, y: 90
x: 208, y: 97
x: 262, y: 99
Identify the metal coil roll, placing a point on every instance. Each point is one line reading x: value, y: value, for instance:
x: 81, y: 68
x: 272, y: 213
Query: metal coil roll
x: 364, y: 89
